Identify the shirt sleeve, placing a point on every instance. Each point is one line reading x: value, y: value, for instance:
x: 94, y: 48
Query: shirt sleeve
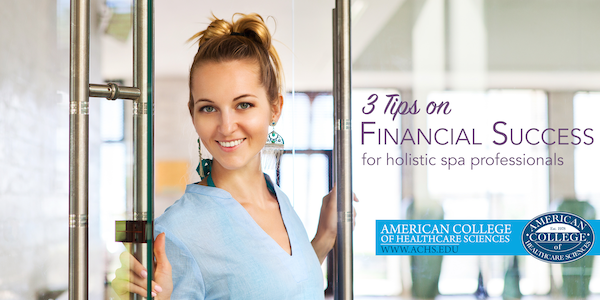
x: 187, y: 277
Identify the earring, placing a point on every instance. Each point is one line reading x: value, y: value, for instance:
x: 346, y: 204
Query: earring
x: 271, y: 152
x: 273, y: 138
x: 204, y: 165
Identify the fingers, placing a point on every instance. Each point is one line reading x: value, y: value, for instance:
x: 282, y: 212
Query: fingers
x: 355, y: 198
x: 127, y: 260
x: 128, y: 276
x: 127, y: 282
x: 131, y: 277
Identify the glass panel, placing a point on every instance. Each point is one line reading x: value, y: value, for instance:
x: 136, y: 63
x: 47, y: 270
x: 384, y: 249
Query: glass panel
x: 305, y: 171
x: 516, y: 62
x: 175, y: 148
x: 175, y: 151
x: 127, y: 172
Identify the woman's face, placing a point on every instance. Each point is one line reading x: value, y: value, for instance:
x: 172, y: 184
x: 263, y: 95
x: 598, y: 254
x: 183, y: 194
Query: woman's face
x: 232, y: 112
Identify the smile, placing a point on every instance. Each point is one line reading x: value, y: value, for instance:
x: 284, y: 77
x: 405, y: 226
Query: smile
x: 231, y: 143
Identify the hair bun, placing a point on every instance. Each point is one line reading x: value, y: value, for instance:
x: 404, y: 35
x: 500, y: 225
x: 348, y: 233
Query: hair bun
x: 251, y: 26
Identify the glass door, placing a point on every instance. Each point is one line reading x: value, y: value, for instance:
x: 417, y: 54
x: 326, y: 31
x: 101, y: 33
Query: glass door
x: 132, y: 197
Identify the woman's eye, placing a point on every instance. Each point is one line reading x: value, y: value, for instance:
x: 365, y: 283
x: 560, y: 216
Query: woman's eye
x: 244, y: 105
x: 207, y: 109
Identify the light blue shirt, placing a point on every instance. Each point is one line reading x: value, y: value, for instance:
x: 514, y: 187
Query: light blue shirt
x: 217, y: 251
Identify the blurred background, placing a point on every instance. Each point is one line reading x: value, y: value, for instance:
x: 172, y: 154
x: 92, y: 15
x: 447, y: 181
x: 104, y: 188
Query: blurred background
x: 530, y: 63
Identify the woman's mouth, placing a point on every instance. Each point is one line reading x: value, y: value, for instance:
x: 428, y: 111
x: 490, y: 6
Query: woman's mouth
x: 230, y: 144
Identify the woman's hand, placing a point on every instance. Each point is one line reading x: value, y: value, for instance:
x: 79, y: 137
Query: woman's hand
x: 327, y: 229
x: 131, y: 276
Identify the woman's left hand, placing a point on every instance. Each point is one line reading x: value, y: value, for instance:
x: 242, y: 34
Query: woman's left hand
x: 327, y: 229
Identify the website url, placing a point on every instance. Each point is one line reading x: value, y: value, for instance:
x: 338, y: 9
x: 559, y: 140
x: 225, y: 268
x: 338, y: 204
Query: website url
x: 418, y: 249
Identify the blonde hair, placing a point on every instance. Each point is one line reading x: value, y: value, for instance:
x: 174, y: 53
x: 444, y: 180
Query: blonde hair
x: 245, y: 38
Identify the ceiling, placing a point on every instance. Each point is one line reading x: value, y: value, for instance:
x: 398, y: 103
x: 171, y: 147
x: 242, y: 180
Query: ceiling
x: 546, y: 44
x: 302, y: 30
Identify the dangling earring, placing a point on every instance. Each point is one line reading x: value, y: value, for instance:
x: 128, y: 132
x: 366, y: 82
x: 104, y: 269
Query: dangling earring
x: 271, y: 152
x: 204, y: 165
x: 274, y: 139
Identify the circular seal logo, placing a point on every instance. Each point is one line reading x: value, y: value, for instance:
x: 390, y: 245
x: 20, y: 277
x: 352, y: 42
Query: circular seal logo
x: 558, y: 237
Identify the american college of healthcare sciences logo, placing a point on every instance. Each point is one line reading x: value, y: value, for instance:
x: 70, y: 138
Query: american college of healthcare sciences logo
x: 558, y: 237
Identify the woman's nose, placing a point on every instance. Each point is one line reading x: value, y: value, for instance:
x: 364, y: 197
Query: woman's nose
x: 228, y: 123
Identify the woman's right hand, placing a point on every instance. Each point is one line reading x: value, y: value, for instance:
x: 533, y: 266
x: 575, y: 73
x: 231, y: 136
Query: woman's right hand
x: 131, y: 277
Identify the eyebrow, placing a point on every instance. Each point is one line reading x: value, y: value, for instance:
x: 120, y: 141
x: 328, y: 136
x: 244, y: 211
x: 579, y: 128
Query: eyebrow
x: 235, y: 99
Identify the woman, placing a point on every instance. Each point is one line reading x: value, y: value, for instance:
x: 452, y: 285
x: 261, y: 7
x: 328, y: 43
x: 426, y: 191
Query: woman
x: 235, y: 234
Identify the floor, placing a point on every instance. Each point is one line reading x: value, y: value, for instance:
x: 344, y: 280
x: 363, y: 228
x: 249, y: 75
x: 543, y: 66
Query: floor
x: 463, y: 297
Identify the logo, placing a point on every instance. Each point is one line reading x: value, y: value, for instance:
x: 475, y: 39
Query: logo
x: 558, y: 237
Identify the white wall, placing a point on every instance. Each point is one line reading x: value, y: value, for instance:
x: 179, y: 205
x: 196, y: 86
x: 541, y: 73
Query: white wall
x: 34, y: 85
